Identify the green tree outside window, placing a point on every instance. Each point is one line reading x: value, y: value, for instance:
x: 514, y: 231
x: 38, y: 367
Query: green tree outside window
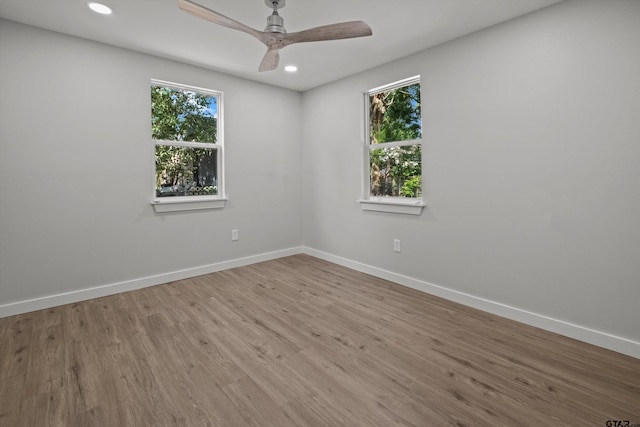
x: 184, y: 125
x: 395, y: 151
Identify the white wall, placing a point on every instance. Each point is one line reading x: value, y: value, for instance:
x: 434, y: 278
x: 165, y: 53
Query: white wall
x: 531, y: 168
x: 76, y: 169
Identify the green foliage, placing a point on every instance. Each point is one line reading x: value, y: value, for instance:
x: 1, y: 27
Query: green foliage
x: 395, y: 116
x: 412, y: 187
x: 180, y: 115
x: 173, y: 164
x: 396, y: 171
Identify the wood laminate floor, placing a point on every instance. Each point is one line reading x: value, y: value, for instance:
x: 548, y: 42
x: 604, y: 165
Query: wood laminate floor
x: 300, y: 342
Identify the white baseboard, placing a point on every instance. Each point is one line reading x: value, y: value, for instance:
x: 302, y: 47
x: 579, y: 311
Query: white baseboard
x: 591, y: 336
x: 49, y: 301
x: 581, y: 333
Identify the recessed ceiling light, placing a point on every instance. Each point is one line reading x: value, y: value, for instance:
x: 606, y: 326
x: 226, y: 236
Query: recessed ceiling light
x: 291, y: 68
x: 100, y: 8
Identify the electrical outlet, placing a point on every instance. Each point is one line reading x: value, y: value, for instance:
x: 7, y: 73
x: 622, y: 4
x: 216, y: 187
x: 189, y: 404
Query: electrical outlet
x: 234, y: 235
x: 396, y: 245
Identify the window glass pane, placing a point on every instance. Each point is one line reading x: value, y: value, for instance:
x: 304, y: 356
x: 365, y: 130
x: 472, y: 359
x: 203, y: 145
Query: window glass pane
x: 396, y: 171
x: 395, y: 115
x: 186, y: 171
x: 182, y: 115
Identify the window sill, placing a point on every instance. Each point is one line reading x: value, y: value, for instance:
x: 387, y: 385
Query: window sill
x: 395, y: 205
x: 186, y: 203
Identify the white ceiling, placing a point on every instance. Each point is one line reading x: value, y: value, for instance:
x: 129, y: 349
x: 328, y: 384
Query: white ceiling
x: 158, y: 27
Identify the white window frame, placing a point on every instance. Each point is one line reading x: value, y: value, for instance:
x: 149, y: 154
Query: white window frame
x: 402, y: 205
x: 189, y: 203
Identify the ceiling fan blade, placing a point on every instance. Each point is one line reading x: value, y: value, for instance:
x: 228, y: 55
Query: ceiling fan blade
x: 270, y: 60
x: 342, y: 30
x: 215, y: 17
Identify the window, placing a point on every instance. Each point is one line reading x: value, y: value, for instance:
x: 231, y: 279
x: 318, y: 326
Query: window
x: 393, y: 151
x: 186, y: 128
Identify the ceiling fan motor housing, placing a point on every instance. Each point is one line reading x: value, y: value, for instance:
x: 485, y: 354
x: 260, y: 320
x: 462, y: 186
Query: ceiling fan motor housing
x: 275, y: 24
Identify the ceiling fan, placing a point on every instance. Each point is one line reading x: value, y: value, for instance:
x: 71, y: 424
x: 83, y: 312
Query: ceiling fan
x: 274, y: 36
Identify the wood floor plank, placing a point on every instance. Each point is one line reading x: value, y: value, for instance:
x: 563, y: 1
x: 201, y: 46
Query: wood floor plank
x: 254, y: 405
x: 300, y: 342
